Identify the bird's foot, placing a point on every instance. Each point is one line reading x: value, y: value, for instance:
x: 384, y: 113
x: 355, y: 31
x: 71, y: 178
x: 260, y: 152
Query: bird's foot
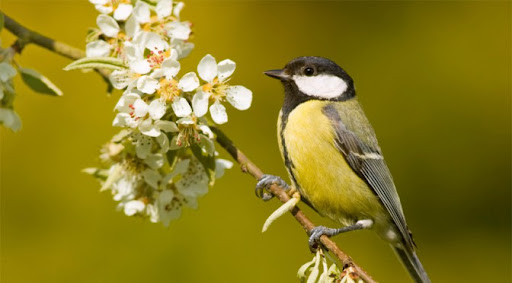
x: 263, y: 186
x: 316, y: 233
x: 319, y: 231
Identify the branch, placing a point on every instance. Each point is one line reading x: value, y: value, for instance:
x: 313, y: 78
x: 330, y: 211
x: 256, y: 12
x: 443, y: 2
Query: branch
x: 248, y: 167
x: 26, y: 36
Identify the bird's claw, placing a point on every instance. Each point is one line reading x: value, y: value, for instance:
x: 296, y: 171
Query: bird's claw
x: 263, y: 186
x: 315, y: 234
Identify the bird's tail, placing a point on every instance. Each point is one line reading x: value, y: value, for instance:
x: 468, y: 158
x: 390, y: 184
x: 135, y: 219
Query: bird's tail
x: 412, y: 264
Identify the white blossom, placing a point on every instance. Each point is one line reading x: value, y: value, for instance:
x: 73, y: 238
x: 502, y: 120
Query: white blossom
x: 216, y: 89
x: 177, y: 9
x: 103, y: 6
x: 142, y: 12
x: 107, y: 25
x: 10, y: 119
x: 123, y: 11
x: 97, y: 48
x: 158, y: 103
x: 182, y: 47
x: 7, y: 72
x: 178, y: 30
x: 168, y: 208
x: 163, y: 9
x: 134, y: 206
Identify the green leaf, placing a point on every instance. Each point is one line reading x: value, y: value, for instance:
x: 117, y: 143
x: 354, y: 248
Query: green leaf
x: 172, y: 156
x: 207, y: 145
x: 101, y: 174
x: 119, y: 137
x: 2, y: 21
x: 92, y: 34
x: 38, y: 82
x: 96, y: 63
x: 208, y: 161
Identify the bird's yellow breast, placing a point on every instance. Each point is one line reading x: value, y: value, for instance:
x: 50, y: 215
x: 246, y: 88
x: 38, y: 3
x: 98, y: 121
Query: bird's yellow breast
x: 322, y: 175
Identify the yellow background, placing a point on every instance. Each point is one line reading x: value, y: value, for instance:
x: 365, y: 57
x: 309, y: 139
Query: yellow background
x: 433, y: 77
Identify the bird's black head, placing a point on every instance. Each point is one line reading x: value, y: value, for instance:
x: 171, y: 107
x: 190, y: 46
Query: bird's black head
x: 306, y: 78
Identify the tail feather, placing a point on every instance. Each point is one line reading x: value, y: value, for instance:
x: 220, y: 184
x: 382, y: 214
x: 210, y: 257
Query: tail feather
x: 412, y: 264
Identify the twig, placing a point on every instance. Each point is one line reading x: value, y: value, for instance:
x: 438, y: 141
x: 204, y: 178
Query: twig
x: 248, y: 167
x: 26, y: 36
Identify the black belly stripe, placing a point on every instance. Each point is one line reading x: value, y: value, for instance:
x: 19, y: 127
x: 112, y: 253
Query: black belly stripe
x: 287, y: 162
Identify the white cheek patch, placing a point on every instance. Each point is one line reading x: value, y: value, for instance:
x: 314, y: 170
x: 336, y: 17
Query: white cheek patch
x: 323, y: 86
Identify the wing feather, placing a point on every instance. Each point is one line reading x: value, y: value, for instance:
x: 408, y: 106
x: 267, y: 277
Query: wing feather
x: 367, y: 162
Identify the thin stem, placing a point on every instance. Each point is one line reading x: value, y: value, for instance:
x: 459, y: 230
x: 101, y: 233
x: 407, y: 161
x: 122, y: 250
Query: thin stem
x: 26, y: 36
x: 248, y: 167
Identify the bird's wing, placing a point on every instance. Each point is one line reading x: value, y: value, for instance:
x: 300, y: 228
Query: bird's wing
x: 367, y: 161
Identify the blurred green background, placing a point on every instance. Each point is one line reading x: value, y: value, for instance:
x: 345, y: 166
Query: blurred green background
x: 433, y: 77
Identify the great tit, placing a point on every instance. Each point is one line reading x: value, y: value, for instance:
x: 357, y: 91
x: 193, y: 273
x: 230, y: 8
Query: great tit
x: 333, y: 159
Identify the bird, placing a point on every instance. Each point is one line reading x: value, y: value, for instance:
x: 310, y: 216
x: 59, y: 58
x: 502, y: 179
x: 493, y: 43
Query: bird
x: 333, y: 159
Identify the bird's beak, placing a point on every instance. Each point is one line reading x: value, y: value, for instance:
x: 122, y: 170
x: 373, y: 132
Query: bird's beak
x: 278, y: 74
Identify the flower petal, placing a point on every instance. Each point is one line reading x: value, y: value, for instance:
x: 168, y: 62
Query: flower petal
x: 157, y: 109
x: 200, y: 103
x: 147, y: 84
x: 207, y: 68
x: 168, y: 211
x: 194, y: 182
x: 123, y: 120
x: 178, y: 30
x: 127, y: 99
x: 10, y: 119
x: 183, y: 48
x: 240, y: 97
x: 155, y: 161
x: 218, y: 112
x: 171, y: 68
x: 120, y: 79
x: 107, y: 25
x: 147, y: 128
x: 152, y: 211
x: 6, y: 72
x: 207, y: 145
x: 131, y: 51
x: 163, y: 8
x: 188, y: 82
x: 133, y: 207
x: 167, y: 126
x: 131, y: 27
x: 207, y: 131
x: 123, y: 11
x: 174, y: 144
x: 186, y: 121
x: 97, y: 48
x: 140, y: 108
x: 104, y: 9
x: 181, y: 167
x: 226, y: 69
x: 220, y: 166
x: 154, y: 42
x: 177, y: 9
x: 181, y: 107
x: 163, y: 142
x: 143, y: 146
x: 141, y: 12
x: 140, y: 66
x: 151, y: 177
x: 98, y: 2
x: 165, y: 197
x: 174, y: 54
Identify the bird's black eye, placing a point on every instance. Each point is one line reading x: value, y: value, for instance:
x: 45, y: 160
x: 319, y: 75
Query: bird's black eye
x: 308, y: 71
